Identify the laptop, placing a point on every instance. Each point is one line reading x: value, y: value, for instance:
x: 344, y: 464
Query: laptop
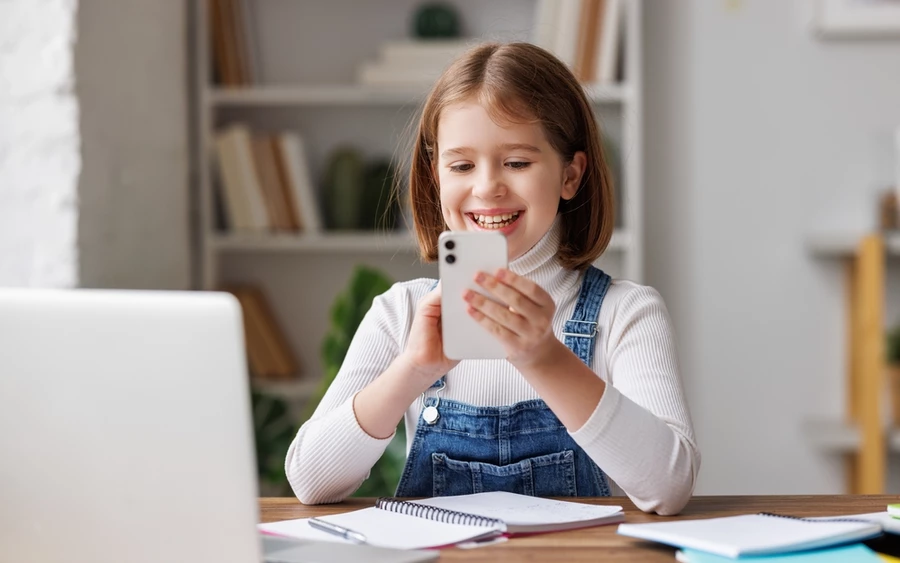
x: 126, y: 436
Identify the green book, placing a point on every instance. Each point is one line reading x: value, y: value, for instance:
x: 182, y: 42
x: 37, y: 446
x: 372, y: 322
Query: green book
x: 894, y: 510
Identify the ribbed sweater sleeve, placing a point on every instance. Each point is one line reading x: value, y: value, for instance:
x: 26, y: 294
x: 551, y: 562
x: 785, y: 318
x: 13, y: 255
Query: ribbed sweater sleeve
x: 640, y: 434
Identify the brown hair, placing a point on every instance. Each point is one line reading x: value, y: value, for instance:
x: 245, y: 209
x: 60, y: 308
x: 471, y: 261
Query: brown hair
x: 524, y: 83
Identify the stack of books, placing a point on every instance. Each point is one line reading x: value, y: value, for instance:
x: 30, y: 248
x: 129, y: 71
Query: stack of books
x: 264, y: 181
x: 269, y: 357
x: 587, y: 35
x: 773, y: 538
x: 232, y: 44
x: 410, y: 63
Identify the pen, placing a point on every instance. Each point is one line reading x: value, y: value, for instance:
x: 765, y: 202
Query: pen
x: 336, y: 530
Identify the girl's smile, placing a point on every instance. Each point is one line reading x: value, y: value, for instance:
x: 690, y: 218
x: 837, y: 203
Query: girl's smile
x: 503, y: 220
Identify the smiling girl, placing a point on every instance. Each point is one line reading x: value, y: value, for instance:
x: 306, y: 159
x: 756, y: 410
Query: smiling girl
x: 589, y: 392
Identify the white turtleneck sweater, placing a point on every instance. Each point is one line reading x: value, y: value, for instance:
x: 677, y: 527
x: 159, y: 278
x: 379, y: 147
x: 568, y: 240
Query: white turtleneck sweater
x: 640, y: 433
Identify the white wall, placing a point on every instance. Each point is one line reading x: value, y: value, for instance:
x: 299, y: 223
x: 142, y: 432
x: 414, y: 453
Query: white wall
x: 39, y: 144
x: 131, y: 68
x: 756, y: 134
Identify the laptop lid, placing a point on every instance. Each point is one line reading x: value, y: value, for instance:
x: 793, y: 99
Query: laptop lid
x: 125, y: 428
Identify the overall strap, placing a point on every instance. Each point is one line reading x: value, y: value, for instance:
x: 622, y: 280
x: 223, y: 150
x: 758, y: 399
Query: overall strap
x: 580, y: 331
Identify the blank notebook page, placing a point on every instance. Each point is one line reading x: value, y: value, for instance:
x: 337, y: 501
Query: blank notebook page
x: 383, y: 529
x: 750, y: 534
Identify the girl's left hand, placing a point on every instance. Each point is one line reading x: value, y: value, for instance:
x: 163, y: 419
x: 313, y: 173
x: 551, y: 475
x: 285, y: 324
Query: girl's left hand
x: 525, y: 327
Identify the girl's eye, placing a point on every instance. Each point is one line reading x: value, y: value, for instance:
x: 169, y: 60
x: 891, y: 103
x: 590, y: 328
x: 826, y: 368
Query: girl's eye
x: 460, y: 167
x: 516, y: 165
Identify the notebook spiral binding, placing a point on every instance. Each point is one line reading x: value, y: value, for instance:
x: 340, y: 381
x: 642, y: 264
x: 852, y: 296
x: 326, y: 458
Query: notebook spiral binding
x: 826, y: 519
x: 436, y: 513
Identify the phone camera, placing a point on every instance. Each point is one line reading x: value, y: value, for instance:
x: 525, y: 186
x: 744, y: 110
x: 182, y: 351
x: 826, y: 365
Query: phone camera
x: 449, y: 245
x: 450, y: 258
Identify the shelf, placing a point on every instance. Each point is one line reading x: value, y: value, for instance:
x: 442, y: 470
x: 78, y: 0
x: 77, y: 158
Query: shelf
x: 323, y: 242
x: 295, y: 390
x: 609, y: 93
x: 355, y: 95
x: 844, y: 244
x: 344, y: 242
x: 349, y: 95
x: 840, y: 437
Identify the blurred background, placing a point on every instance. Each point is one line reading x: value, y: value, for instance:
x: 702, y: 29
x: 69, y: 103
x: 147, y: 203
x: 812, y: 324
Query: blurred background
x: 250, y: 146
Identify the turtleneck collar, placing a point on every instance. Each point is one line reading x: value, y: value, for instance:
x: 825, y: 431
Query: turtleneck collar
x: 540, y: 263
x: 542, y: 252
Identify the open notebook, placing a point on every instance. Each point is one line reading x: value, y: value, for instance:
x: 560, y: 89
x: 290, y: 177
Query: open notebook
x: 754, y: 534
x: 445, y: 521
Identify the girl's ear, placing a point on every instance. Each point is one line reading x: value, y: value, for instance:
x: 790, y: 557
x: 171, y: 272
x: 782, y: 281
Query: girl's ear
x: 572, y: 175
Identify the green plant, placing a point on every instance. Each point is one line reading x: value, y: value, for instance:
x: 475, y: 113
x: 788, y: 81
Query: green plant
x: 273, y: 432
x: 893, y: 346
x: 347, y: 312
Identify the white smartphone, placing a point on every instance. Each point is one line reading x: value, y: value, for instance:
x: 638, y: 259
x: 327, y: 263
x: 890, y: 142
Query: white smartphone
x: 461, y: 255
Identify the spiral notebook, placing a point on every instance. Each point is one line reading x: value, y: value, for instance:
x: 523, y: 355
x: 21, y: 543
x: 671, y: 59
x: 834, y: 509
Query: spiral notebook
x: 445, y: 521
x: 754, y: 534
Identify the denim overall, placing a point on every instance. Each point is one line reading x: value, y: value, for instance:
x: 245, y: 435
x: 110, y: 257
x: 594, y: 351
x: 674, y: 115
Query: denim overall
x: 521, y: 448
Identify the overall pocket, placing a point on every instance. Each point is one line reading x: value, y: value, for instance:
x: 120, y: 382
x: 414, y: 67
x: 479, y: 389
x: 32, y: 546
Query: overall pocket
x: 551, y: 475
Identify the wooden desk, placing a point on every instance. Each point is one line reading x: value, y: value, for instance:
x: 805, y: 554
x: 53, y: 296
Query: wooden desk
x: 602, y: 543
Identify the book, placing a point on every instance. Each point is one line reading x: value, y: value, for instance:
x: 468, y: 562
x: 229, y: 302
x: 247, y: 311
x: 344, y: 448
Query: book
x: 609, y: 45
x: 888, y: 524
x: 291, y: 210
x: 586, y: 45
x: 854, y: 553
x: 410, y: 63
x: 545, y: 29
x: 452, y: 520
x: 422, y: 53
x: 565, y: 47
x: 293, y: 158
x: 240, y: 181
x: 231, y: 41
x: 754, y: 534
x: 268, y: 352
x: 264, y: 156
x: 380, y: 74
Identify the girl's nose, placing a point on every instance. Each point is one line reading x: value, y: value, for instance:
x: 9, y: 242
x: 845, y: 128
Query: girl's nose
x: 489, y: 183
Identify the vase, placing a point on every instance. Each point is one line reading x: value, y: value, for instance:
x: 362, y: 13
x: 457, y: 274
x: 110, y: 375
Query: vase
x: 343, y: 189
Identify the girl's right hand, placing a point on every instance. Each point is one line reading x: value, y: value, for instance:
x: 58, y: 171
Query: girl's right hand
x: 424, y: 352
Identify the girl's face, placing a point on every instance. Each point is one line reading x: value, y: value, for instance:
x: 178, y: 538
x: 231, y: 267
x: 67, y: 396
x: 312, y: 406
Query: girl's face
x: 504, y: 178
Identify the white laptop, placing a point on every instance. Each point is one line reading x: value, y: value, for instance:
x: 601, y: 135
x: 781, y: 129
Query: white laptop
x: 125, y: 433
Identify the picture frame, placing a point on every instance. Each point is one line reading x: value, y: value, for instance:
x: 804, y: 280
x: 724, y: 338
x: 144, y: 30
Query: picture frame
x: 860, y: 19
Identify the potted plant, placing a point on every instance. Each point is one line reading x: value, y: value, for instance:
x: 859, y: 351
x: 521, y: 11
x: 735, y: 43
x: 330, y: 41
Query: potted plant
x: 893, y: 371
x: 347, y: 312
x: 274, y: 430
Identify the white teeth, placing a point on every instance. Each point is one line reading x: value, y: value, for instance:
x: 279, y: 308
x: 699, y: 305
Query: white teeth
x: 495, y: 221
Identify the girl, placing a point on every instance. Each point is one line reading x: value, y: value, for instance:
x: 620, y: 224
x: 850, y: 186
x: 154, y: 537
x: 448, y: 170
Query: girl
x: 590, y: 388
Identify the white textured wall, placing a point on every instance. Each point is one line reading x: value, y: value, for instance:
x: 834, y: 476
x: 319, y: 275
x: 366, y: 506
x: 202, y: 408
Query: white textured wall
x: 131, y: 68
x: 39, y: 144
x: 757, y: 133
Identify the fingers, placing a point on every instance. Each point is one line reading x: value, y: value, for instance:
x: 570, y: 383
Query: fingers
x: 495, y: 312
x: 522, y: 294
x: 430, y: 303
x: 499, y: 329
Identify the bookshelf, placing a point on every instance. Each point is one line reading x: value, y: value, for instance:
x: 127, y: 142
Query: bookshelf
x: 350, y: 95
x: 307, y: 55
x: 863, y: 437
